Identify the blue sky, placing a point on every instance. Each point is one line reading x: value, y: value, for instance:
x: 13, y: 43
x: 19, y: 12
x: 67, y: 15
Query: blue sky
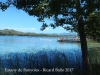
x: 21, y: 21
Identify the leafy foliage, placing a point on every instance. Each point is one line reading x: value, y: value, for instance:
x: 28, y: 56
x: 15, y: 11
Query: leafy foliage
x: 3, y: 6
x: 93, y: 25
x: 64, y: 12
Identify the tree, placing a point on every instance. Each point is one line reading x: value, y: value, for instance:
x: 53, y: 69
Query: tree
x: 93, y: 26
x: 69, y: 14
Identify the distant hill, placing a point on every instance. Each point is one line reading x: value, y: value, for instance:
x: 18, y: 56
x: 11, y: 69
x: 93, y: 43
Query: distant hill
x: 10, y: 32
x: 19, y: 33
x: 68, y: 34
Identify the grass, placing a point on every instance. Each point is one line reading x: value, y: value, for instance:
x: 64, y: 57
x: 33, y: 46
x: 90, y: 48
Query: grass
x: 94, y: 56
x: 92, y: 44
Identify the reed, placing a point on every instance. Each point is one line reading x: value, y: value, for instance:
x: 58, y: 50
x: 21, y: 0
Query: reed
x: 47, y: 59
x: 94, y: 55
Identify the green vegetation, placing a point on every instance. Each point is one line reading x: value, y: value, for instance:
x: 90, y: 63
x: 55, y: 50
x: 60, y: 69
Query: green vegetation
x: 94, y: 56
x: 18, y: 33
x: 93, y: 25
x: 10, y: 32
x: 93, y: 44
x: 43, y: 59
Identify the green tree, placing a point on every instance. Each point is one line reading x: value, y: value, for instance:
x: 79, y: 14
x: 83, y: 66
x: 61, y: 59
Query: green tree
x: 93, y: 26
x: 69, y: 14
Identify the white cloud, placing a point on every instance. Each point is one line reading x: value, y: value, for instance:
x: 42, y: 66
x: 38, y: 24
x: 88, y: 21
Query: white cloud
x: 22, y: 29
x: 48, y: 29
x: 32, y: 28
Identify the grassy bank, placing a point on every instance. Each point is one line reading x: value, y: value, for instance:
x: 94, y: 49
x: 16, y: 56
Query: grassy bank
x: 94, y: 56
x: 92, y: 44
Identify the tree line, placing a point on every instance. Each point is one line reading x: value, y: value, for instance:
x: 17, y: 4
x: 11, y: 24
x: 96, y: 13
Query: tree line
x: 19, y: 33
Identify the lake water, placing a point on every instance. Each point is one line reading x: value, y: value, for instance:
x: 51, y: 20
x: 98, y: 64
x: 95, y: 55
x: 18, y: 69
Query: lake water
x: 22, y: 51
x: 14, y: 44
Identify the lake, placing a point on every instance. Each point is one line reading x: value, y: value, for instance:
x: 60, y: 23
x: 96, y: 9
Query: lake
x: 38, y: 53
x: 14, y: 44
